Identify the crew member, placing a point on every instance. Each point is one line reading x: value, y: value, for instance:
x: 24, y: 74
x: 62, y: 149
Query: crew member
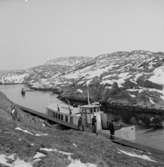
x: 111, y: 128
x: 80, y: 123
x: 94, y: 121
x: 70, y: 111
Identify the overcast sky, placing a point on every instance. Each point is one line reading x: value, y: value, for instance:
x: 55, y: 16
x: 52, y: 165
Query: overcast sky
x: 33, y: 31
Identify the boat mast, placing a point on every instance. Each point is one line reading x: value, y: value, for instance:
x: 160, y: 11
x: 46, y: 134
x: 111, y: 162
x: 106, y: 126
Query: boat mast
x: 88, y: 93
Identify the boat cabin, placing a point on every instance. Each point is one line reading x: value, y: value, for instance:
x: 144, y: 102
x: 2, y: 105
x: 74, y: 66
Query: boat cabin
x: 90, y: 108
x: 70, y: 116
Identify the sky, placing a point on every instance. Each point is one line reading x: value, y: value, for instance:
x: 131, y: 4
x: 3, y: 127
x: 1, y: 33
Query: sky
x: 34, y: 31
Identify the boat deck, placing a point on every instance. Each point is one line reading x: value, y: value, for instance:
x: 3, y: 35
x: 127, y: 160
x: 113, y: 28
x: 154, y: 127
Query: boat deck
x: 46, y: 117
x: 64, y: 109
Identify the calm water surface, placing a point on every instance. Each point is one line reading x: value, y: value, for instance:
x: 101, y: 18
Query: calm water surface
x: 38, y: 100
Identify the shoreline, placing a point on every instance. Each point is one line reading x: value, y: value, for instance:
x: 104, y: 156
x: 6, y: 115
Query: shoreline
x: 113, y: 108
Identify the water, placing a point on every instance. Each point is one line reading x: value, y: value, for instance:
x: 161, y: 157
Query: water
x: 150, y: 138
x: 38, y: 100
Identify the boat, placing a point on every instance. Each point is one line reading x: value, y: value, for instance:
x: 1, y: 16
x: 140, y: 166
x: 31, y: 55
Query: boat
x: 81, y: 118
x: 23, y: 92
x: 70, y: 116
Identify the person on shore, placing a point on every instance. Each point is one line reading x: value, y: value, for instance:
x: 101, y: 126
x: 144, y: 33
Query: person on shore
x: 80, y: 124
x: 94, y: 121
x: 111, y: 129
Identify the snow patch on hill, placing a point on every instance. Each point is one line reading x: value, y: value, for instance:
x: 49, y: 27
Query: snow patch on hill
x: 13, y: 78
x: 158, y: 76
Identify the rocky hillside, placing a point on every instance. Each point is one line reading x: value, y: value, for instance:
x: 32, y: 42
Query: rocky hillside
x: 133, y: 78
x: 38, y: 77
x: 67, y: 61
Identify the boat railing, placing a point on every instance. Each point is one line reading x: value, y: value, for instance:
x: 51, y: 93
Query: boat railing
x: 64, y: 117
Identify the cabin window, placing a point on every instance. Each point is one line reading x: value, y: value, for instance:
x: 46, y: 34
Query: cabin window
x: 71, y: 119
x: 83, y: 110
x: 66, y: 118
x: 61, y: 117
x: 88, y: 110
x: 53, y: 114
x: 94, y: 109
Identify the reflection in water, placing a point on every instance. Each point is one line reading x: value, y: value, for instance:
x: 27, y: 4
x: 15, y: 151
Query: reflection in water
x: 38, y: 100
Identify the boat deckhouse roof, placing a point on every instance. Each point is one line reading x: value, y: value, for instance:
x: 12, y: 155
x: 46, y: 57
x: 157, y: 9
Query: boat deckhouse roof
x: 75, y: 110
x: 90, y: 106
x: 63, y: 108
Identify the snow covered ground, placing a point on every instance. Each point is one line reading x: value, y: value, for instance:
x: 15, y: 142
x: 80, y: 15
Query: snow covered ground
x: 16, y: 161
x: 13, y: 78
x: 133, y: 154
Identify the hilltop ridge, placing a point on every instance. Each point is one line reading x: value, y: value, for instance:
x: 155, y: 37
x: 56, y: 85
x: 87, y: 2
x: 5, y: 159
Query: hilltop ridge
x: 68, y: 61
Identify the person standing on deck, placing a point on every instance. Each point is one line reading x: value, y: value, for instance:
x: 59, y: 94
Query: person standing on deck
x: 58, y: 108
x: 81, y: 123
x: 70, y: 113
x: 111, y: 128
x: 94, y: 122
